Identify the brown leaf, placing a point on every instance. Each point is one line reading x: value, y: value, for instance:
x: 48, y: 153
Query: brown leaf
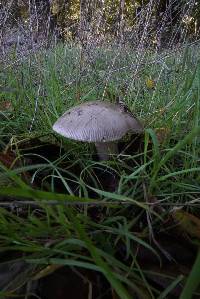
x: 6, y: 106
x: 8, y: 159
x: 187, y: 222
x: 162, y: 134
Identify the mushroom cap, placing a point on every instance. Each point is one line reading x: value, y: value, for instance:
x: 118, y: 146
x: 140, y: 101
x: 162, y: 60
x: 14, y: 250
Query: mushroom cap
x: 96, y: 121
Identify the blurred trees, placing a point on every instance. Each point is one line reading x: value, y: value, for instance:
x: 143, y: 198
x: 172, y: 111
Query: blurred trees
x: 161, y: 19
x: 9, y: 12
x: 154, y: 21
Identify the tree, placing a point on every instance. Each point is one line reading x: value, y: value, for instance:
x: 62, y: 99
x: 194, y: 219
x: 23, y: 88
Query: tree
x: 10, y: 12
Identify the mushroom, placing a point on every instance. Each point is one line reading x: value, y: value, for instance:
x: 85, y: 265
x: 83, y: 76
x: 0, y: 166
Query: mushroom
x: 100, y: 122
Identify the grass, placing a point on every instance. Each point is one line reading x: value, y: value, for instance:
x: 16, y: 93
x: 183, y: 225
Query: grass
x: 57, y: 210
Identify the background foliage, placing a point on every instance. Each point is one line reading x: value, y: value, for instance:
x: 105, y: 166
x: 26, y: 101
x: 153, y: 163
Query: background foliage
x: 131, y: 20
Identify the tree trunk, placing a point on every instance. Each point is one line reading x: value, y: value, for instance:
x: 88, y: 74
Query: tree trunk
x: 11, y: 12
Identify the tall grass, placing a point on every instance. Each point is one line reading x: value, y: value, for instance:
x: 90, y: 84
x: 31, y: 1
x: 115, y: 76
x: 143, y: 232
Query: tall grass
x: 53, y: 228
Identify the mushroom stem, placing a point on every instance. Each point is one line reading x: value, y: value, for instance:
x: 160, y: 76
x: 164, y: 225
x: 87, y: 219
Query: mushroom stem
x: 105, y: 149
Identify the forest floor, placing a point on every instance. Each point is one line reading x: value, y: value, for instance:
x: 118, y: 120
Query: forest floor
x: 74, y: 226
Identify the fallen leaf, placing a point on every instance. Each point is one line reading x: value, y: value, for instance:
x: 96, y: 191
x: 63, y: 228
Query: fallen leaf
x: 6, y: 106
x: 162, y: 134
x: 9, y: 159
x: 150, y: 83
x: 187, y: 222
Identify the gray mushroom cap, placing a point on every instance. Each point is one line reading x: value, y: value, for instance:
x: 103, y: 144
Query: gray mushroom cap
x: 96, y: 121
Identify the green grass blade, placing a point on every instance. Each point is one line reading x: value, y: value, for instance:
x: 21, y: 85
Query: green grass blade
x: 172, y: 152
x: 171, y: 287
x: 40, y: 195
x: 109, y: 274
x: 193, y: 280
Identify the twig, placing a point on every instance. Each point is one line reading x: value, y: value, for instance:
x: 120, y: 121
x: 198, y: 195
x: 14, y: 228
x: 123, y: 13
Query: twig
x: 194, y: 203
x: 66, y: 203
x: 36, y: 108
